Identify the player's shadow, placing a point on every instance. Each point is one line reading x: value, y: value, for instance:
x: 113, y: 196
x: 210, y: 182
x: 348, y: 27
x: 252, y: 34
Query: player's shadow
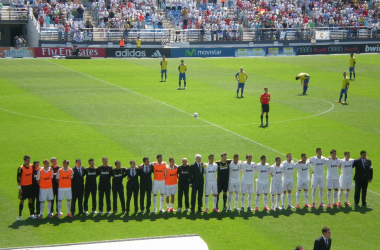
x: 263, y: 126
x: 28, y: 222
x: 302, y: 94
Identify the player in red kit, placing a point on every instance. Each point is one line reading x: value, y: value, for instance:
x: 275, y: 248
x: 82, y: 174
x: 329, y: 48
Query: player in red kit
x: 264, y: 100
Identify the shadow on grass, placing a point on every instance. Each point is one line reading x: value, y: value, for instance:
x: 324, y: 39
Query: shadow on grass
x: 224, y: 215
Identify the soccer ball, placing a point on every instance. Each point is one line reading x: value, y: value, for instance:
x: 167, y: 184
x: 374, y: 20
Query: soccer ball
x: 195, y: 115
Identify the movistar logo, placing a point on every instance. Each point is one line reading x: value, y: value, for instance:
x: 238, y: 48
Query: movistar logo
x: 193, y: 52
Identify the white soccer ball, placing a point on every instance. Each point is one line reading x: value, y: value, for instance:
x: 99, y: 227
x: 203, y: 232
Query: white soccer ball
x: 195, y: 115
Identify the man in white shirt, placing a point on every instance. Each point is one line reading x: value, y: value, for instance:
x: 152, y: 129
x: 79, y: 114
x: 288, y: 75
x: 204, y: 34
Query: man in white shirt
x: 276, y: 171
x: 303, y: 178
x: 287, y: 180
x: 332, y: 177
x: 211, y: 186
x: 248, y: 169
x: 317, y: 180
x: 262, y: 169
x: 234, y: 181
x: 345, y: 180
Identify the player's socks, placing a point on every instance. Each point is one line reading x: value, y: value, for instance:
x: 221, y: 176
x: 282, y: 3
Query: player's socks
x: 242, y: 200
x: 184, y: 84
x: 229, y: 200
x: 31, y: 210
x: 214, y: 201
x: 335, y: 196
x: 321, y: 194
x: 20, y: 208
x: 249, y: 200
x: 350, y: 75
x: 217, y: 201
x: 272, y: 200
x: 313, y: 194
x: 347, y: 195
x: 345, y: 97
x: 59, y: 205
x: 340, y: 97
x: 171, y: 205
x: 236, y: 199
x: 266, y: 117
x: 224, y: 200
x: 306, y: 195
x: 354, y: 75
x: 167, y: 205
x: 42, y: 205
x: 49, y: 203
x: 68, y: 206
x: 257, y: 200
x: 298, y: 195
x: 261, y: 118
x: 265, y: 200
x: 278, y: 200
x: 242, y: 90
x: 237, y: 92
x: 340, y: 196
x: 329, y: 196
x: 289, y: 199
x: 206, y: 201
x: 155, y: 201
x: 161, y: 201
x: 180, y: 84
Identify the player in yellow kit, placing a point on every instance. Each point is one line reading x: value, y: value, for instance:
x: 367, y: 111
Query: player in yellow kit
x: 352, y: 65
x: 241, y: 77
x: 345, y: 86
x: 164, y: 67
x: 182, y: 68
x: 304, y: 77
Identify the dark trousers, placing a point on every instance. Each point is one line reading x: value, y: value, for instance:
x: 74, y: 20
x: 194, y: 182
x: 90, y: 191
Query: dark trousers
x: 361, y: 186
x: 183, y: 189
x: 104, y: 190
x: 77, y: 195
x: 36, y: 200
x: 90, y: 189
x: 132, y: 188
x: 55, y: 195
x: 145, y: 188
x: 197, y: 190
x: 118, y: 189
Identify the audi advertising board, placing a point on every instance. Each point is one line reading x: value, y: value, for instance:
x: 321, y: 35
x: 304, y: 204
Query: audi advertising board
x: 49, y: 52
x: 328, y: 49
x: 203, y: 52
x: 138, y: 53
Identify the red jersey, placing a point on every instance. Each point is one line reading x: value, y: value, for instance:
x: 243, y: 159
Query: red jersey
x: 264, y: 99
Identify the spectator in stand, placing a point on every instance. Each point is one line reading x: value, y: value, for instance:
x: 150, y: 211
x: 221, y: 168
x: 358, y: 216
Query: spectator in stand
x: 67, y: 29
x: 80, y: 12
x: 60, y: 31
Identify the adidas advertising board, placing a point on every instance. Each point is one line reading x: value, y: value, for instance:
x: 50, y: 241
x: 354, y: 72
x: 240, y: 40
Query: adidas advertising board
x: 138, y: 53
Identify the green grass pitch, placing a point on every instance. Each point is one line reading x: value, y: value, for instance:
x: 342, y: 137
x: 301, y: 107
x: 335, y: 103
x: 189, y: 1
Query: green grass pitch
x: 119, y: 108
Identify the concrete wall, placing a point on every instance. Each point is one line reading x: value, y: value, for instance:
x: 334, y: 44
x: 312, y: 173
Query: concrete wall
x: 32, y: 31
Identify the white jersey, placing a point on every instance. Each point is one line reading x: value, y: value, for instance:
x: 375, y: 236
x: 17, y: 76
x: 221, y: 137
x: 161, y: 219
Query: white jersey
x: 263, y: 171
x: 210, y: 171
x: 346, y: 167
x: 234, y: 172
x: 318, y: 165
x: 303, y: 174
x: 288, y: 170
x: 248, y: 172
x: 276, y: 172
x: 332, y: 168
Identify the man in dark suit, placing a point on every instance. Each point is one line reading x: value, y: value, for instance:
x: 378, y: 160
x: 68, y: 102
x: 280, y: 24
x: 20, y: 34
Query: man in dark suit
x: 197, y: 183
x: 77, y: 186
x: 183, y: 185
x: 145, y: 173
x: 363, y: 176
x: 133, y: 186
x: 323, y: 242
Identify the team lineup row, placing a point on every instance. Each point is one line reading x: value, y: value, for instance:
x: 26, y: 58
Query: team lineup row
x: 44, y: 184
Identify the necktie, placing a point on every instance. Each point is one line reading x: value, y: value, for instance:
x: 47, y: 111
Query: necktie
x: 146, y: 170
x: 133, y: 172
x: 199, y: 166
x: 327, y: 243
x: 80, y: 172
x: 364, y: 164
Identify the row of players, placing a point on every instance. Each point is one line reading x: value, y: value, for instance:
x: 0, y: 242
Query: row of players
x: 45, y: 184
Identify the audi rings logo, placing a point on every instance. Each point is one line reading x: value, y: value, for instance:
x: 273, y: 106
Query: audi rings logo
x: 304, y: 49
x: 335, y: 49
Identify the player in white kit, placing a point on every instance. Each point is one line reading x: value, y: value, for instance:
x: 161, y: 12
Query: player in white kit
x: 317, y: 179
x: 248, y: 169
x: 234, y: 181
x: 276, y: 171
x: 345, y: 180
x: 287, y: 180
x: 303, y: 178
x: 332, y: 177
x: 262, y: 169
x: 211, y: 169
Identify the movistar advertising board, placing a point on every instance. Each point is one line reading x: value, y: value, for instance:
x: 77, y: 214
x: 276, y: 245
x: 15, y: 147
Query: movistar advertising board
x: 203, y: 52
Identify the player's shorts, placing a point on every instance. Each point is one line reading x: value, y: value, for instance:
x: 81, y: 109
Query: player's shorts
x: 264, y: 107
x: 345, y: 183
x: 234, y: 187
x: 317, y: 181
x: 64, y: 192
x: 307, y: 79
x: 163, y: 71
x: 302, y: 185
x: 343, y: 91
x: 46, y: 194
x: 158, y: 186
x: 211, y: 186
x: 332, y: 183
x: 351, y: 69
x: 222, y: 186
x: 276, y: 187
x: 247, y: 188
x: 261, y: 188
x: 170, y: 190
x: 27, y: 192
x: 182, y: 76
x: 240, y: 85
x: 287, y: 185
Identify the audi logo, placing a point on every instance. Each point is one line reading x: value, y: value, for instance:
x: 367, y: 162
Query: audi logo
x: 335, y: 49
x: 304, y: 49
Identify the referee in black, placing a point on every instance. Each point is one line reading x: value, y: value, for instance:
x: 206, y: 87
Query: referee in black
x: 183, y: 184
x: 105, y: 173
x: 118, y: 174
x: 36, y: 189
x: 145, y: 173
x: 264, y: 100
x: 196, y: 183
x: 77, y: 187
x: 133, y: 186
x: 90, y: 187
x: 55, y: 168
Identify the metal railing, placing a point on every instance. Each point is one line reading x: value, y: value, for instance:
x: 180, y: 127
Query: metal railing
x: 13, y: 14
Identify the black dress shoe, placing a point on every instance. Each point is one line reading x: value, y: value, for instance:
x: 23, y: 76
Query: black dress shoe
x: 200, y: 211
x: 356, y: 205
x: 193, y: 211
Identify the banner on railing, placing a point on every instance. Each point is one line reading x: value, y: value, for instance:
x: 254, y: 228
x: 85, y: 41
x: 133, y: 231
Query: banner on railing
x: 322, y: 35
x: 266, y: 51
x: 138, y: 53
x: 203, y: 52
x: 250, y: 52
x: 16, y: 52
x: 327, y: 49
x: 281, y: 51
x: 49, y: 52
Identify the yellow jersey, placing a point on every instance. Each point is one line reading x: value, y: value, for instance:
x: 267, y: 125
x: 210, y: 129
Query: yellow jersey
x: 241, y: 76
x: 182, y: 68
x: 352, y: 62
x: 164, y: 65
x: 303, y: 76
x: 345, y: 83
x: 138, y: 43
